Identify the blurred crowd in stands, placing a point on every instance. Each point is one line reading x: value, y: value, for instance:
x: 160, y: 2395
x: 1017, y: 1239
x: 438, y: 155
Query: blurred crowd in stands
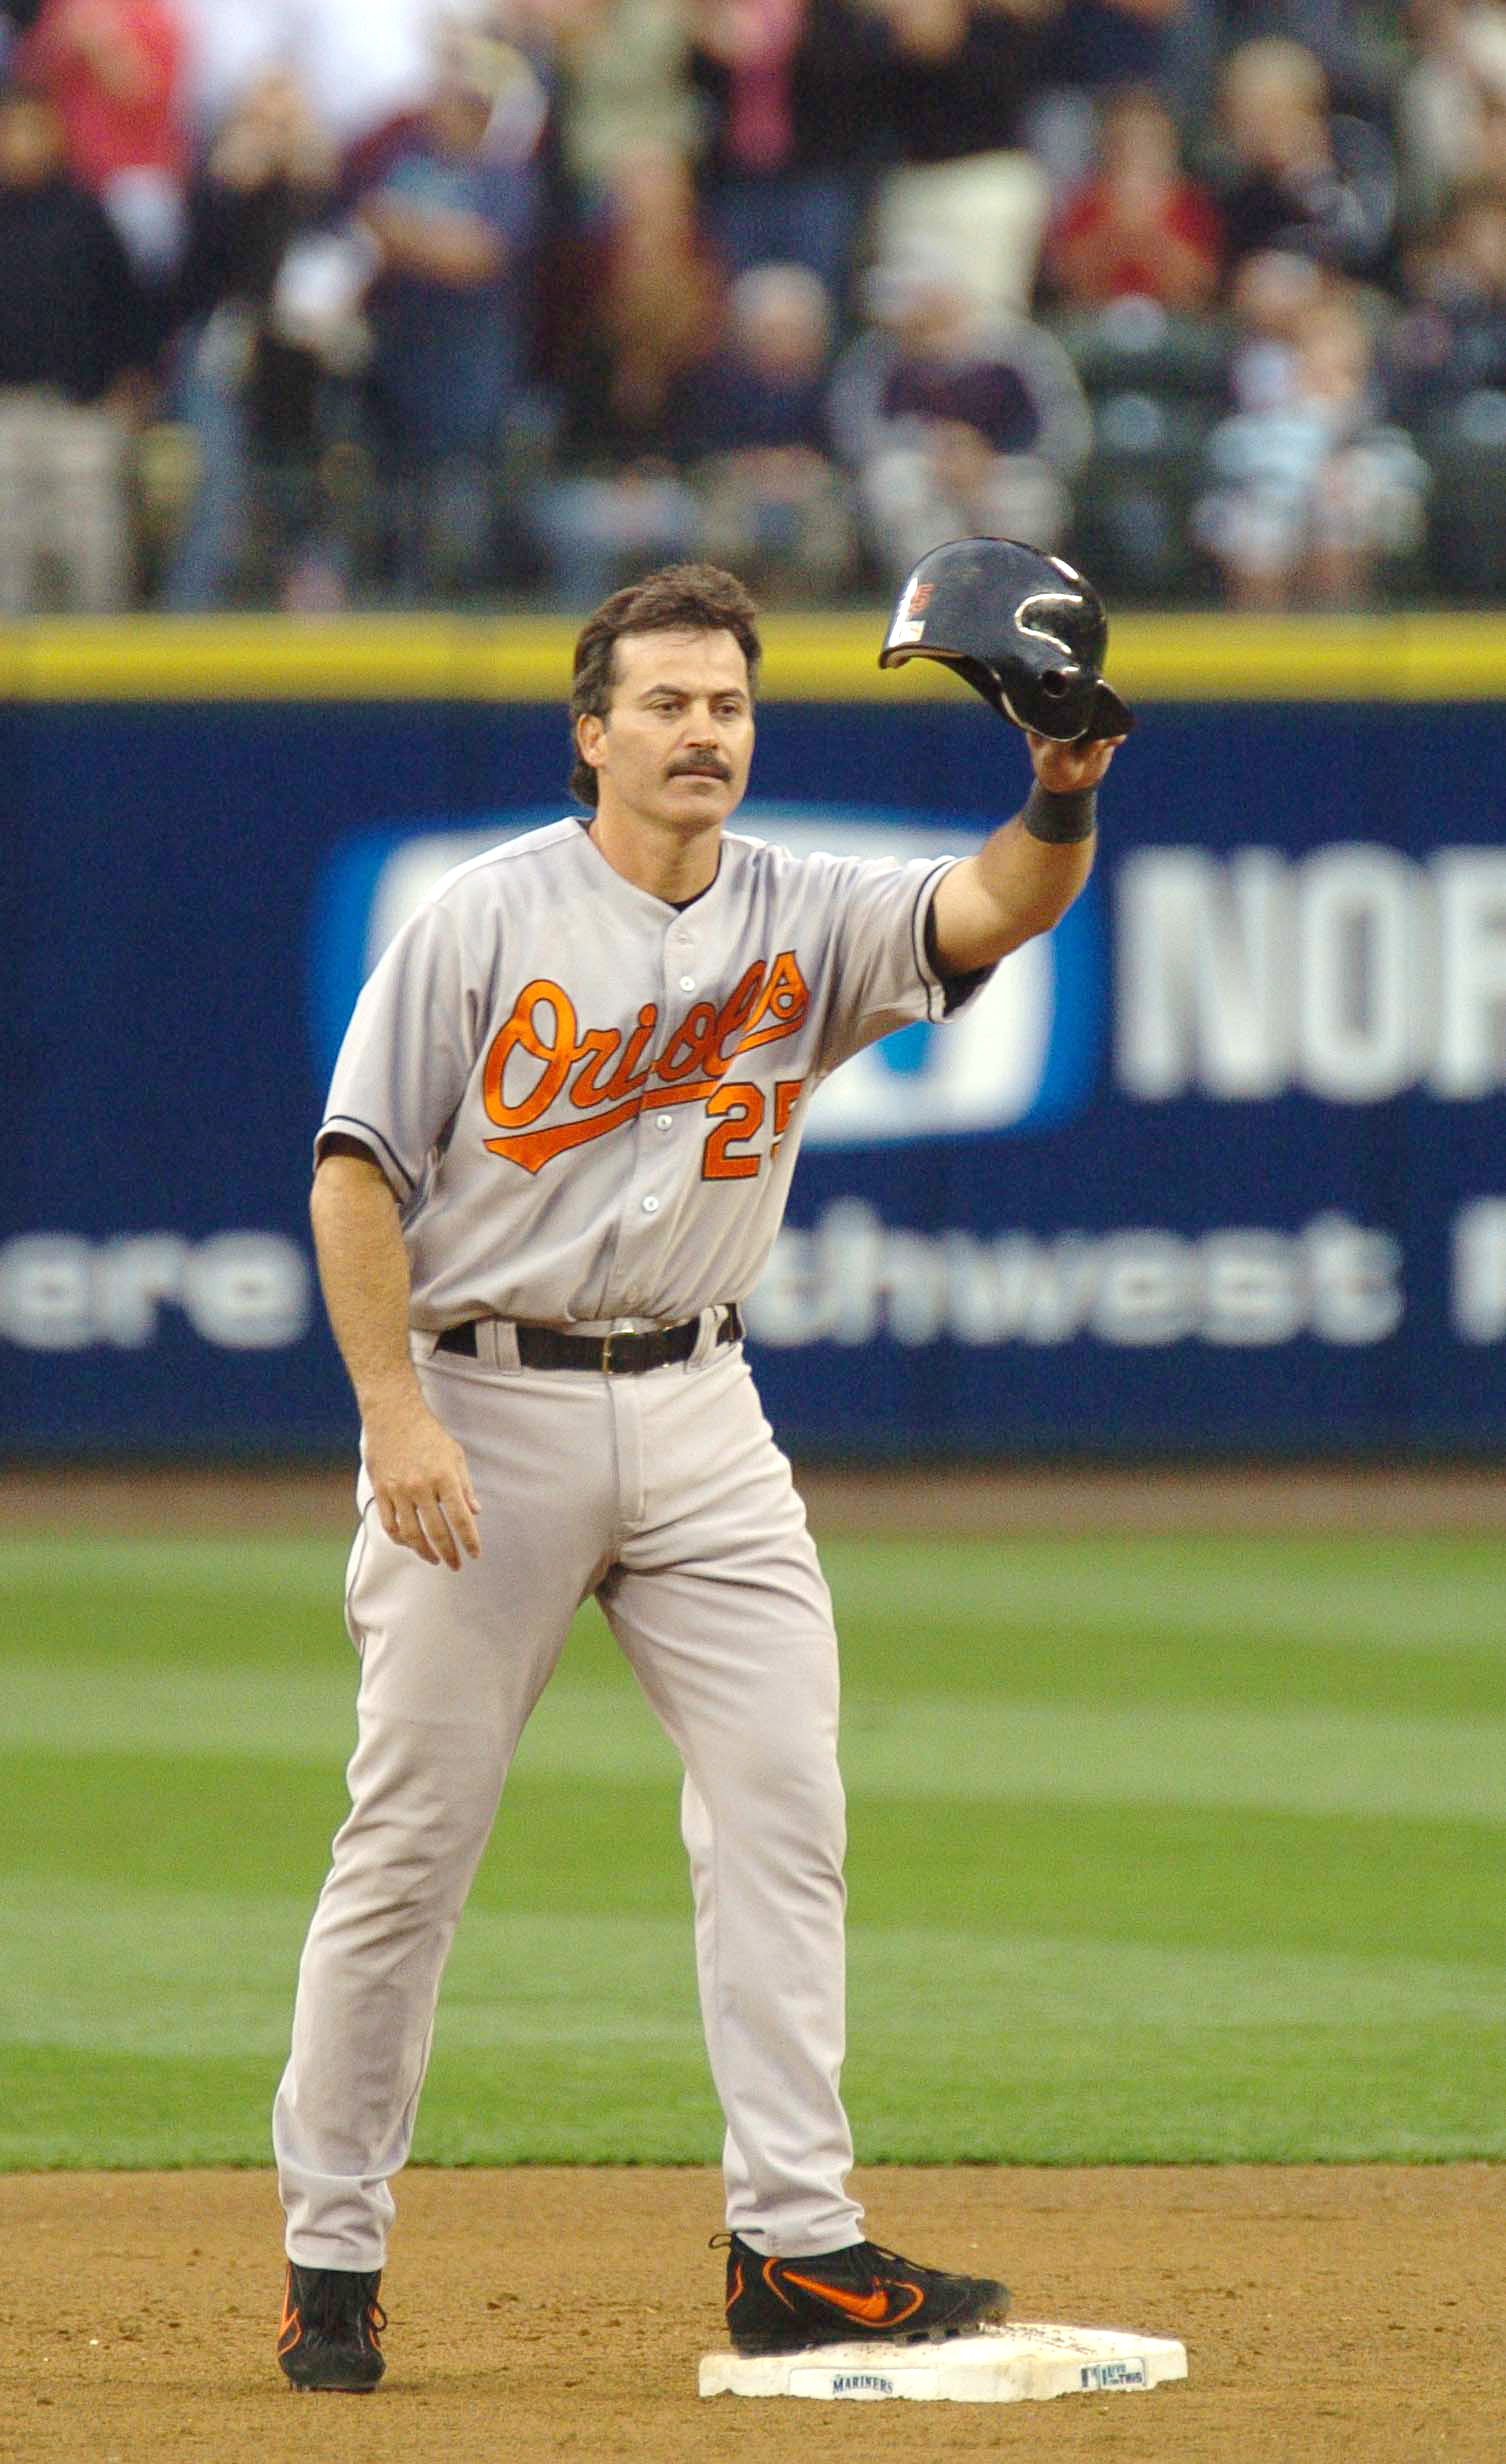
x: 316, y: 304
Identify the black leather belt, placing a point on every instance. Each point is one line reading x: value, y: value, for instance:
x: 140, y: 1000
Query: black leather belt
x: 544, y: 1347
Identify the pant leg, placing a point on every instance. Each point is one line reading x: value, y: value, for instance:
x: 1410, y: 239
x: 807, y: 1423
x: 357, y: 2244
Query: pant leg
x: 719, y: 1604
x: 90, y: 509
x: 452, y: 1665
x: 209, y: 399
x: 21, y: 411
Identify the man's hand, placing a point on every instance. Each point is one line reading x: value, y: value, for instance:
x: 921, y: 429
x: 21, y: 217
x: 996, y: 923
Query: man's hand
x: 422, y: 1485
x: 1017, y: 885
x: 1066, y: 767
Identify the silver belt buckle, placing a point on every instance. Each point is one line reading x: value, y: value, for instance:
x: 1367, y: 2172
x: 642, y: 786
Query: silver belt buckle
x: 606, y: 1355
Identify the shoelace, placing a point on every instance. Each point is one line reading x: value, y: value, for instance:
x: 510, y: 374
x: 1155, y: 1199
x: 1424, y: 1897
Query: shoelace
x: 872, y: 2264
x: 332, y: 2311
x: 872, y: 2256
x: 870, y: 2259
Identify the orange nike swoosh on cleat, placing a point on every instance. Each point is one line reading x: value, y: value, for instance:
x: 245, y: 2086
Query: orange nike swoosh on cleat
x: 871, y: 2308
x: 290, y: 2315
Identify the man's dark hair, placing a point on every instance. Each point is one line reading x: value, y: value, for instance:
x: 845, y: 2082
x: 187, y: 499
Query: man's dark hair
x: 677, y: 599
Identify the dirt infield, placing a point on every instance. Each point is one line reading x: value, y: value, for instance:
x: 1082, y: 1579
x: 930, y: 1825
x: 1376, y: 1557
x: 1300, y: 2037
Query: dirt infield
x: 1327, y: 2313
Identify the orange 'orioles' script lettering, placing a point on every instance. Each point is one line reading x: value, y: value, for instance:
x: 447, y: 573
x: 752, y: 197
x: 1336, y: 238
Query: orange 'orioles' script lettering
x: 541, y: 1050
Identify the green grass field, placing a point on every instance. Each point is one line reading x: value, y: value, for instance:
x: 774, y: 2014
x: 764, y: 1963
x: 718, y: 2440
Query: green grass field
x: 1162, y: 1850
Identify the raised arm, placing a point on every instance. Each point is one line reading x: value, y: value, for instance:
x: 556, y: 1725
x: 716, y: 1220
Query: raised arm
x: 1024, y: 878
x: 417, y: 1471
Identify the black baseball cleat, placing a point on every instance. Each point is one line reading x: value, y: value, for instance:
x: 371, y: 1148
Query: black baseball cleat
x: 331, y: 2323
x: 861, y: 2295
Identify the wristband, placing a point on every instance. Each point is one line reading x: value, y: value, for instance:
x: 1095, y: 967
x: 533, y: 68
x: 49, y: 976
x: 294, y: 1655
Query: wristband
x: 1061, y: 818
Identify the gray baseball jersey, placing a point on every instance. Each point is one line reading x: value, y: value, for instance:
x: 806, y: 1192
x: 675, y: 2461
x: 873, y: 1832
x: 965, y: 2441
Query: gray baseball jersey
x: 588, y: 1102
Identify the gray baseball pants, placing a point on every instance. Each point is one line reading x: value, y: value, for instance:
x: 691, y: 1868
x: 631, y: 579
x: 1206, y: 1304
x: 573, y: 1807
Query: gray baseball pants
x: 665, y: 1495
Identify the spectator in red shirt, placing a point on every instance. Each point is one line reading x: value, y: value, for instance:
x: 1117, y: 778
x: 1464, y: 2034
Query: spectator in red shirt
x: 1138, y: 227
x: 114, y: 71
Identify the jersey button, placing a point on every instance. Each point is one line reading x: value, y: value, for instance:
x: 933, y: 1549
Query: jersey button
x: 664, y: 1121
x: 651, y: 1206
x: 687, y: 983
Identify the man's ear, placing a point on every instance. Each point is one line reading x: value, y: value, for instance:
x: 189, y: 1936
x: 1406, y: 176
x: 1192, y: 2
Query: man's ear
x: 589, y: 732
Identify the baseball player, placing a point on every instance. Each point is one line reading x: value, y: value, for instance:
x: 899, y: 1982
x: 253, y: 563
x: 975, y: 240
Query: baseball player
x: 557, y: 1151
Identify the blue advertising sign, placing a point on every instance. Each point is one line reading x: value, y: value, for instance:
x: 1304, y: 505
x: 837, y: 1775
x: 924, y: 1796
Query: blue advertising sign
x: 1219, y: 1165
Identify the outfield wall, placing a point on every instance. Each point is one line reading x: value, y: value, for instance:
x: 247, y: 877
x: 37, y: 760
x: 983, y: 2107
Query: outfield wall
x: 1222, y: 1165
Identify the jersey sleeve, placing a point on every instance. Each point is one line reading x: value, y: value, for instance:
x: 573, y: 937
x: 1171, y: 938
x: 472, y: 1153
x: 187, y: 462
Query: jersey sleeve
x: 408, y: 1051
x: 884, y: 972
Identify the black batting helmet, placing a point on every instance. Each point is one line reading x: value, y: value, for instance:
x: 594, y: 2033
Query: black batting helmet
x: 1024, y: 628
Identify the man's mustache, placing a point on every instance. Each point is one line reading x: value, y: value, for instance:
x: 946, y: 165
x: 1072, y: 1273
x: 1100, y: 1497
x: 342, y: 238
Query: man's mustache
x: 706, y: 766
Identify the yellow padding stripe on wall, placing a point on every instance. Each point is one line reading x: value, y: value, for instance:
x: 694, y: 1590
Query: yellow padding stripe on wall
x: 1175, y: 658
